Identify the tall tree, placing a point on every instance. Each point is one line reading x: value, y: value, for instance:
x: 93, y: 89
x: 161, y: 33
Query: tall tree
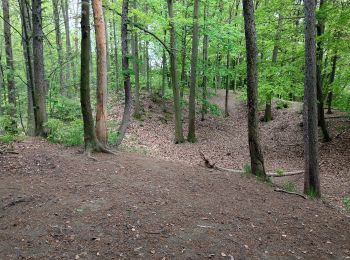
x: 256, y: 155
x: 28, y: 58
x: 191, y: 137
x: 126, y: 73
x: 101, y: 58
x: 56, y: 18
x: 319, y: 79
x: 311, y: 177
x: 205, y: 64
x: 70, y: 66
x: 11, y: 91
x: 179, y: 137
x: 40, y: 85
x: 135, y: 54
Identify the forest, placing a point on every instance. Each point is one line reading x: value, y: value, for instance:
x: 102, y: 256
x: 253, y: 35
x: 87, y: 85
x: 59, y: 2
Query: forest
x: 174, y: 129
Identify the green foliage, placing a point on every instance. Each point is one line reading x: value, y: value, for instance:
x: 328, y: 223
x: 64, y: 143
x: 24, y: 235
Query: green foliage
x: 290, y: 186
x: 112, y: 137
x: 280, y: 172
x: 247, y: 169
x: 281, y: 104
x: 65, y: 109
x: 214, y: 109
x: 7, y: 138
x: 346, y: 203
x: 65, y: 133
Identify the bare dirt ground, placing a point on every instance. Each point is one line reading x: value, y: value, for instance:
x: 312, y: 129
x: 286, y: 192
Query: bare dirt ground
x: 225, y: 142
x: 55, y: 203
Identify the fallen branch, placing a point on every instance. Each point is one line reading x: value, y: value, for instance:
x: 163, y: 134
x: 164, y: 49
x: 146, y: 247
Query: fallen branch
x: 290, y: 192
x: 273, y: 174
x: 228, y: 170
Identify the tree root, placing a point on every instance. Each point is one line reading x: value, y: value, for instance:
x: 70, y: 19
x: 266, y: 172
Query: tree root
x: 211, y: 165
x: 292, y: 193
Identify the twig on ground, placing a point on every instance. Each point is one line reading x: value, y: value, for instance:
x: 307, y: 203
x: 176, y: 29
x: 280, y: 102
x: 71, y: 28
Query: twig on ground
x: 290, y: 192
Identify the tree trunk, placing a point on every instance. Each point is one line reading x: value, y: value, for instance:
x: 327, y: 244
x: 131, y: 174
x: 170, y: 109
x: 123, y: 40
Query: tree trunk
x: 268, y: 107
x: 164, y: 69
x: 101, y: 58
x: 227, y: 85
x: 148, y: 68
x: 256, y: 155
x: 331, y: 80
x: 319, y: 80
x: 126, y: 73
x: 11, y: 91
x: 90, y: 139
x: 63, y: 87
x: 135, y: 54
x: 70, y: 62
x: 204, y: 110
x: 40, y: 85
x: 116, y: 60
x: 311, y: 177
x: 179, y: 138
x: 28, y: 57
x: 191, y: 137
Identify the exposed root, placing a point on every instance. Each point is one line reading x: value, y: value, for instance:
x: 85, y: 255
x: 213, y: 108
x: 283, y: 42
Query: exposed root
x: 103, y: 149
x: 207, y: 162
x: 88, y: 155
x: 273, y: 174
x: 292, y: 193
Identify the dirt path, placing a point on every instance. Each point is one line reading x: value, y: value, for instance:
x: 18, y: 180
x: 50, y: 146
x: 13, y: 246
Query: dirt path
x: 57, y: 204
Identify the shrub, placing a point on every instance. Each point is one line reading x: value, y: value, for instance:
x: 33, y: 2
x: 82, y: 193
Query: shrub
x: 65, y: 133
x: 280, y: 172
x: 290, y: 186
x: 346, y: 203
x: 281, y: 104
x: 65, y: 109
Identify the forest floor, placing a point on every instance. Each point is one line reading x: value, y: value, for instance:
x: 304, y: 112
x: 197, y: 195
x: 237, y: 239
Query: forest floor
x: 55, y: 203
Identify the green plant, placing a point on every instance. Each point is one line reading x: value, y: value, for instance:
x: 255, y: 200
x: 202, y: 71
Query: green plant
x: 280, y: 172
x: 311, y: 193
x: 346, y: 203
x: 281, y: 104
x: 65, y: 133
x: 112, y: 137
x: 214, y: 109
x: 290, y: 186
x: 7, y: 138
x: 247, y: 169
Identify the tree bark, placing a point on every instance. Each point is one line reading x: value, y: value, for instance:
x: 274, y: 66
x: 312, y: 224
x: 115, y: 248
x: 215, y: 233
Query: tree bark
x: 70, y: 66
x: 311, y: 177
x: 135, y: 54
x: 204, y: 109
x: 63, y: 87
x: 116, y: 60
x: 28, y: 58
x: 11, y: 90
x: 179, y: 138
x: 268, y: 107
x: 256, y: 155
x: 101, y: 58
x: 331, y: 80
x: 319, y: 79
x: 191, y: 137
x: 40, y: 85
x: 126, y: 73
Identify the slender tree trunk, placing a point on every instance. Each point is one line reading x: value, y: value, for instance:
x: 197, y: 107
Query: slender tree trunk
x: 28, y: 57
x: 191, y: 137
x: 319, y: 80
x: 204, y: 110
x: 11, y: 90
x: 101, y: 91
x: 331, y: 80
x: 148, y: 67
x: 164, y: 69
x: 311, y: 177
x: 135, y: 54
x: 179, y: 137
x: 227, y: 85
x: 40, y: 85
x: 256, y: 155
x: 268, y: 107
x: 126, y: 73
x: 70, y: 65
x: 116, y: 60
x: 63, y: 87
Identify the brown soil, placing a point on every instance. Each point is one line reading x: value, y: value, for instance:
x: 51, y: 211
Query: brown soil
x: 58, y: 204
